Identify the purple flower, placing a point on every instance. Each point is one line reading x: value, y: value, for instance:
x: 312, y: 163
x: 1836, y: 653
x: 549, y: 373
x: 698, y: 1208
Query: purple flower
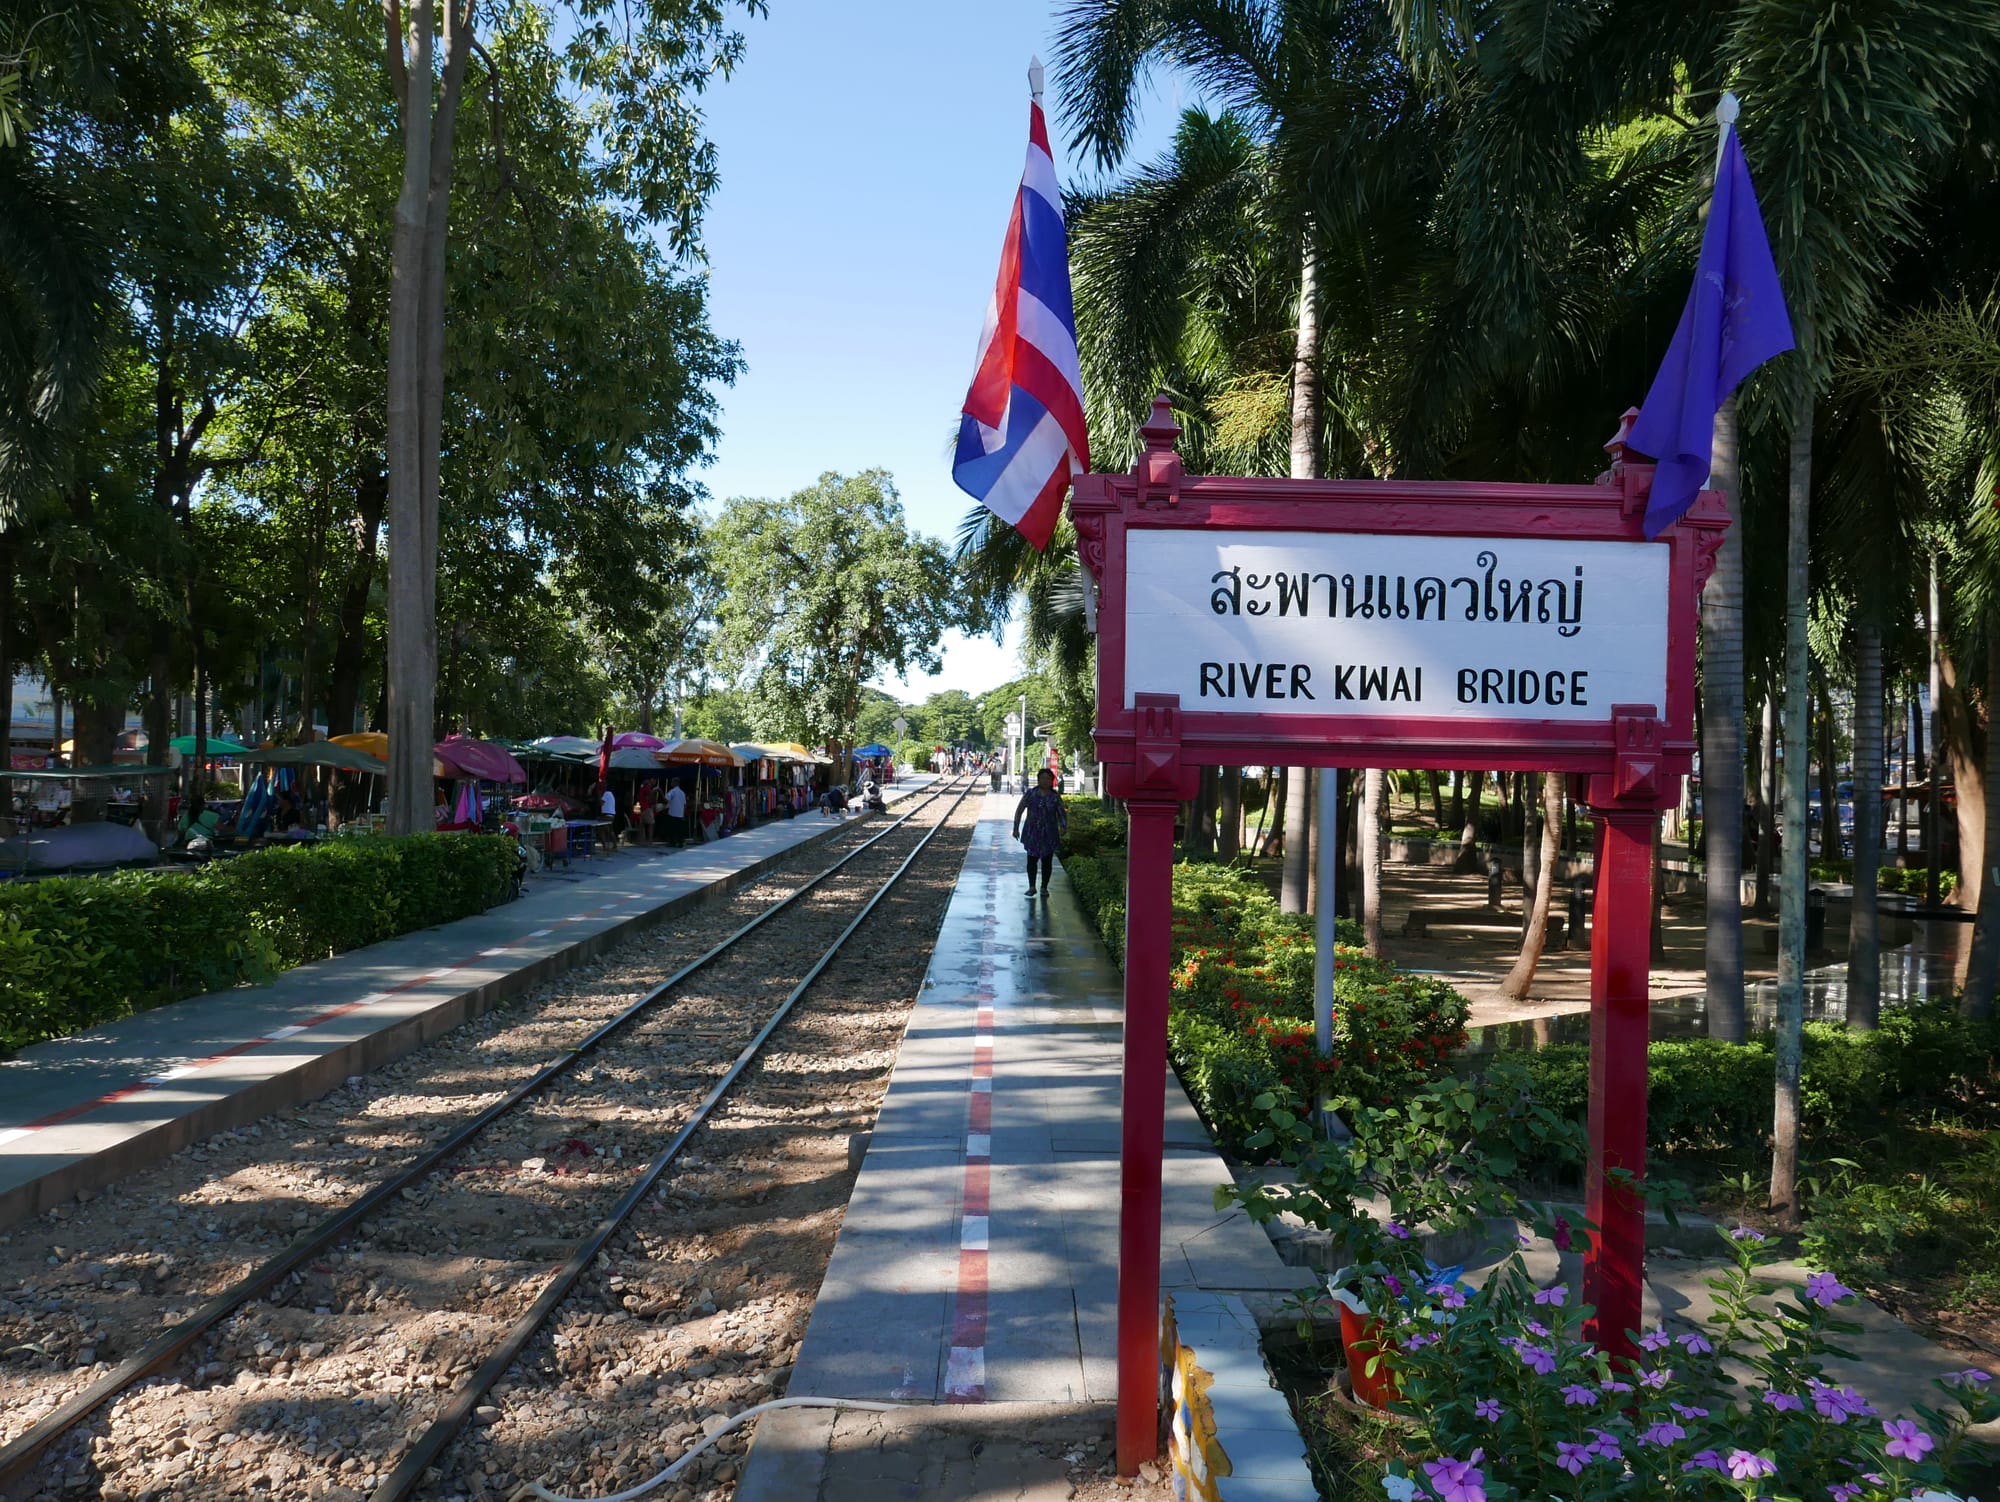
x: 1656, y: 1379
x: 1418, y: 1342
x: 1606, y: 1444
x: 1561, y: 1236
x: 1837, y: 1404
x: 1488, y: 1409
x: 1663, y: 1433
x: 1746, y: 1233
x: 1447, y: 1294
x: 1538, y: 1360
x: 1695, y: 1345
x: 1394, y: 1284
x: 1551, y: 1295
x: 1576, y: 1395
x: 1536, y: 1327
x: 1825, y: 1290
x: 1784, y: 1402
x: 1398, y: 1230
x: 1706, y: 1460
x: 1906, y: 1440
x: 1573, y: 1458
x: 1616, y: 1386
x: 1687, y: 1411
x: 1971, y: 1377
x: 1743, y: 1466
x: 1655, y: 1340
x: 1844, y: 1491
x: 1458, y: 1480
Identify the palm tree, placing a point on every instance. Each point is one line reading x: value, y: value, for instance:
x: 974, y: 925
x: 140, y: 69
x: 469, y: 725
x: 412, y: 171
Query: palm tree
x: 1316, y: 83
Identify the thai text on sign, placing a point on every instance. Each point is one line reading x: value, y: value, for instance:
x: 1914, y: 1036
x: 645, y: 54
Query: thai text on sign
x: 1327, y: 623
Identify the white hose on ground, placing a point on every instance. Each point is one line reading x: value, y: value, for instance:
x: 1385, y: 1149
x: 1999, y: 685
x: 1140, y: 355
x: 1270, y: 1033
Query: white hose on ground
x: 747, y: 1414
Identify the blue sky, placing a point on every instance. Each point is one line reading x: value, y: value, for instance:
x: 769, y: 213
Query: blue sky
x: 869, y: 152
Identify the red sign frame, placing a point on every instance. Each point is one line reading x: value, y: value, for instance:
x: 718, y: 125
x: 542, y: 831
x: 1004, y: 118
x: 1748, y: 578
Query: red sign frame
x: 1628, y: 763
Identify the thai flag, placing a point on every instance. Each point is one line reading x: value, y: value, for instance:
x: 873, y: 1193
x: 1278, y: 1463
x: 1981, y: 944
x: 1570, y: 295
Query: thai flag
x: 1022, y: 433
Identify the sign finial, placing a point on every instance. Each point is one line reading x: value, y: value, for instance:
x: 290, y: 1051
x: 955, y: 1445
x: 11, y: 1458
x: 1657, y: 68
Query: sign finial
x: 1035, y: 78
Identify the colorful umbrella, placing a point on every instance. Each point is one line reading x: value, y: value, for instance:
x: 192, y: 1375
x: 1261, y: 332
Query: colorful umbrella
x: 479, y: 758
x: 564, y: 745
x: 698, y: 753
x: 637, y: 738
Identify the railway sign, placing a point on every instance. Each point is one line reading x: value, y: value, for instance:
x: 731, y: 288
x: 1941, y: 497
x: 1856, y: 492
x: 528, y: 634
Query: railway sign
x: 1390, y: 623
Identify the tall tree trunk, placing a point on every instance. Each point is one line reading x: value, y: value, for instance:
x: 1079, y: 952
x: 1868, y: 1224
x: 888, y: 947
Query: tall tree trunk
x: 1274, y: 810
x: 1964, y: 741
x: 1297, y: 879
x: 1437, y: 796
x: 7, y: 672
x: 1534, y: 936
x: 1764, y: 802
x: 1198, y: 839
x: 1933, y: 804
x: 1369, y: 831
x: 1457, y: 802
x: 1531, y: 841
x: 158, y: 718
x: 1230, y: 832
x: 1792, y: 893
x: 416, y: 386
x: 1864, y: 930
x: 1468, y: 833
x: 1305, y: 466
x: 1829, y: 779
x: 1982, y: 972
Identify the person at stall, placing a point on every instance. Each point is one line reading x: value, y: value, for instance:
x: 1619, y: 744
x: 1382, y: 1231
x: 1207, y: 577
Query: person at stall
x: 676, y: 805
x: 286, y: 815
x: 199, y: 826
x: 643, y: 811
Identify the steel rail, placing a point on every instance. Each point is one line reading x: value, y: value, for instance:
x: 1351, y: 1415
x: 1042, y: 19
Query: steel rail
x: 409, y: 1471
x: 164, y: 1348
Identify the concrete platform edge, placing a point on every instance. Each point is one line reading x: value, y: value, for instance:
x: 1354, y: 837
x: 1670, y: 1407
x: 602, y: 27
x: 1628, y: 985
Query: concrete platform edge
x: 325, y: 1072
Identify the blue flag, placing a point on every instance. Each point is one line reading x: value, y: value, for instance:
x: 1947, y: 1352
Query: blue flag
x: 1734, y: 321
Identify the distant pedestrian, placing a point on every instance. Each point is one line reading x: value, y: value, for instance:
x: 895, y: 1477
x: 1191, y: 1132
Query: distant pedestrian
x: 833, y: 802
x: 1041, y: 810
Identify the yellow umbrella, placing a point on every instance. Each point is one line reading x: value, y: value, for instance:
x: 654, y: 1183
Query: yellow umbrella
x: 376, y: 744
x: 698, y: 752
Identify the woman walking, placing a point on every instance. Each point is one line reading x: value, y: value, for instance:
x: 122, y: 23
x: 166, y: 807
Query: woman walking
x: 1046, y: 819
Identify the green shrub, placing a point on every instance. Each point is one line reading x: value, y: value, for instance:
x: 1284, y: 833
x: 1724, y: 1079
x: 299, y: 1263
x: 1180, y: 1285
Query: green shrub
x: 1224, y: 1072
x: 79, y: 950
x: 1705, y: 1095
x: 1242, y: 1001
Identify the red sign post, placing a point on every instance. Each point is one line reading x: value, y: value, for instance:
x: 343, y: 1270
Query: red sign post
x: 1363, y: 623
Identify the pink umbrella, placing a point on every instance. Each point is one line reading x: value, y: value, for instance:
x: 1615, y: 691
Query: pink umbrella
x: 477, y: 758
x: 637, y: 738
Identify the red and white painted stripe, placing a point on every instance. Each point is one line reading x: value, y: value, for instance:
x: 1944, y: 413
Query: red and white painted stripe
x: 965, y: 1360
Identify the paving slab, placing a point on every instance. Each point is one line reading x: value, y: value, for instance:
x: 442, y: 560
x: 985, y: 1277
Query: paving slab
x: 977, y: 1266
x: 80, y: 1112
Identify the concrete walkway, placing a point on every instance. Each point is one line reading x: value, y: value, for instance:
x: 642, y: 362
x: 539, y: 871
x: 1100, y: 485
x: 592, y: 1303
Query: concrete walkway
x: 977, y: 1265
x: 80, y: 1112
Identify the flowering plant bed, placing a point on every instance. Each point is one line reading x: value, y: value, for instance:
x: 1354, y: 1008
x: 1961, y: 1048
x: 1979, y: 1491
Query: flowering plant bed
x: 1509, y: 1401
x: 1241, y: 1008
x: 1409, y: 1183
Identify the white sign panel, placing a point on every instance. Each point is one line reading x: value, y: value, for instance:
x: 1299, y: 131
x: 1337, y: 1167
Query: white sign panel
x: 1326, y: 623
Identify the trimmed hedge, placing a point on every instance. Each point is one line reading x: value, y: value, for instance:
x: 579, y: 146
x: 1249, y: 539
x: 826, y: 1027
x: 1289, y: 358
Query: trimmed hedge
x: 79, y: 950
x: 1241, y: 1011
x: 1705, y: 1095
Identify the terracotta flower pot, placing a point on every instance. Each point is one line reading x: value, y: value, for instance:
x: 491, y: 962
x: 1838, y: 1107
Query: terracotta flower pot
x: 1361, y: 1334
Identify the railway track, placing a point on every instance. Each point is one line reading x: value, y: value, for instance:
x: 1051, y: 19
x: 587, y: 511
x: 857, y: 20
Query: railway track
x: 680, y: 1048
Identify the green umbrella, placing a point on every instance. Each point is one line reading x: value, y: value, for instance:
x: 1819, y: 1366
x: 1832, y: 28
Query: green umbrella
x: 319, y: 754
x: 218, y: 745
